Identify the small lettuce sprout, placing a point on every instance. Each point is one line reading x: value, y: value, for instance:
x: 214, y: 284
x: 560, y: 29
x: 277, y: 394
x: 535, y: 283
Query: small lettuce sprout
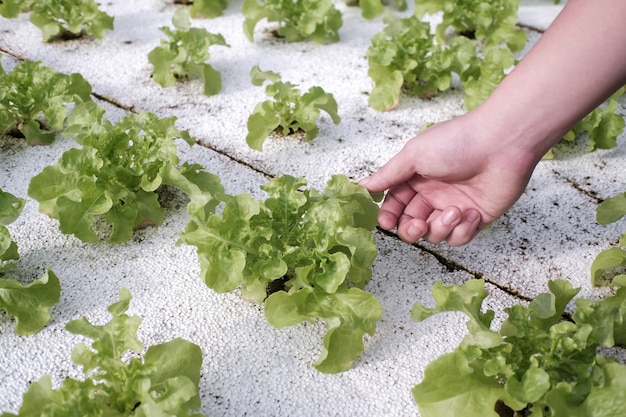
x: 184, y: 54
x: 298, y: 20
x: 290, y: 111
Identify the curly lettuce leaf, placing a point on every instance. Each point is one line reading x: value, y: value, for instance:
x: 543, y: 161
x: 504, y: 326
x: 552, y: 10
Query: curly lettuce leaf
x: 207, y: 8
x: 30, y: 304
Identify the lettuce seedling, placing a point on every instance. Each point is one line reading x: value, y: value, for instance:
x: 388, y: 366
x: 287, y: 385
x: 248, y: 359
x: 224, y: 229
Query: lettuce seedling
x: 298, y: 20
x: 34, y: 101
x: 161, y: 382
x: 373, y: 8
x: 610, y: 264
x: 117, y: 174
x: 602, y: 126
x: 305, y: 254
x: 475, y: 40
x: 28, y: 304
x: 536, y: 365
x: 290, y: 111
x: 490, y: 21
x: 405, y: 56
x: 69, y: 18
x: 184, y: 54
x: 205, y: 8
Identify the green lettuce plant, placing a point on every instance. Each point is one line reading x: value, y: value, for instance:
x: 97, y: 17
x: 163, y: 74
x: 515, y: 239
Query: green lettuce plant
x: 475, y: 41
x: 405, y: 57
x: 610, y: 264
x: 61, y: 18
x: 116, y: 175
x: 297, y: 20
x: 305, y: 254
x: 184, y: 54
x: 373, y: 8
x: 34, y: 101
x: 205, y: 8
x: 28, y: 304
x: 163, y: 381
x: 537, y: 364
x: 289, y: 110
x: 602, y: 126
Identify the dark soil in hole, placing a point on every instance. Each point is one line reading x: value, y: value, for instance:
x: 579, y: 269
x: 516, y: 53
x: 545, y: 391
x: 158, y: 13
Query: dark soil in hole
x: 470, y: 34
x: 277, y: 285
x: 14, y: 132
x: 66, y: 35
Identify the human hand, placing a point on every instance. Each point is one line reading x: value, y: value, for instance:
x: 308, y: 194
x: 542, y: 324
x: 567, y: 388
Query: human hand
x: 450, y: 181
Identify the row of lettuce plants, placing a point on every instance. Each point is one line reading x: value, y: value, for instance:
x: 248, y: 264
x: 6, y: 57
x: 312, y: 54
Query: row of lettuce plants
x: 475, y: 43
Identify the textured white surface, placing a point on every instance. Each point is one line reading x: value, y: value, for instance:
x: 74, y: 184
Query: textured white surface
x: 250, y: 368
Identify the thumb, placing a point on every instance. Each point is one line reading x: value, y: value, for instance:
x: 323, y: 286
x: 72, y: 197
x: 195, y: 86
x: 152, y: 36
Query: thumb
x: 399, y: 169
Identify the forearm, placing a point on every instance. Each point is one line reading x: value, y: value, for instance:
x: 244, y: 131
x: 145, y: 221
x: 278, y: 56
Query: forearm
x: 578, y: 63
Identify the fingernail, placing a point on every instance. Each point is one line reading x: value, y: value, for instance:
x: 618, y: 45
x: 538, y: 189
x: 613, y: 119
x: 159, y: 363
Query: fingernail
x: 413, y: 232
x: 449, y: 217
x: 472, y: 216
x: 365, y: 180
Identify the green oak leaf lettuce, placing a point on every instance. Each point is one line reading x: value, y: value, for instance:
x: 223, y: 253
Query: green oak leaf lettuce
x: 70, y: 18
x: 289, y: 110
x: 34, y: 100
x: 207, y: 8
x: 297, y: 20
x: 163, y: 381
x: 405, y: 56
x: 116, y: 175
x: 306, y: 254
x: 184, y: 54
x: 373, y: 8
x: 537, y: 364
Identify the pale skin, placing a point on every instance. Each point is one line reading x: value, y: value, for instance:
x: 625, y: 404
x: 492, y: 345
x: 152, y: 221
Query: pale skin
x: 456, y: 177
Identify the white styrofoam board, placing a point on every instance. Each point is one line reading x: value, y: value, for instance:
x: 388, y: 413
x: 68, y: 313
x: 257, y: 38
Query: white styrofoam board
x: 249, y: 367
